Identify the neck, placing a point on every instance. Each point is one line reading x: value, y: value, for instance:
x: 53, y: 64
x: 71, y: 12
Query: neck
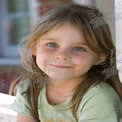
x: 67, y: 85
x: 59, y: 91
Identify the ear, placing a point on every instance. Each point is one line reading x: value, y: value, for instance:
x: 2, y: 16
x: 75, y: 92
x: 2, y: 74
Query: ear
x: 33, y: 51
x: 101, y: 58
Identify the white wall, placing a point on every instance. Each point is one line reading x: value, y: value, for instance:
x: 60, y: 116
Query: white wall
x: 107, y: 7
x: 118, y: 22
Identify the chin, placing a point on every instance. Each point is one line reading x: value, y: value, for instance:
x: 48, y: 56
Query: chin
x: 60, y: 76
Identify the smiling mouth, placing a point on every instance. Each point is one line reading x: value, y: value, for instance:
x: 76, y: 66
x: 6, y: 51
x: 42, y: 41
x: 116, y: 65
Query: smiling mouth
x: 59, y: 66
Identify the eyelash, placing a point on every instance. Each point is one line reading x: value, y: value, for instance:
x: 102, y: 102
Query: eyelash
x: 81, y: 49
x: 54, y: 45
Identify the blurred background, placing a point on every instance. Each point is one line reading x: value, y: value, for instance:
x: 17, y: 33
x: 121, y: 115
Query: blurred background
x: 17, y: 17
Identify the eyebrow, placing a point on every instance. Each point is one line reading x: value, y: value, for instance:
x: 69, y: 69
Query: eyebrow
x: 55, y: 39
x: 48, y: 39
x: 80, y: 43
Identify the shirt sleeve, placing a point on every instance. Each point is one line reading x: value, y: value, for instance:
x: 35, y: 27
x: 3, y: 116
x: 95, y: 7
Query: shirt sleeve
x: 98, y: 108
x: 21, y: 105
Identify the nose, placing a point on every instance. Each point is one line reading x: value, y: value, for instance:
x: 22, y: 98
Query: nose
x: 62, y: 57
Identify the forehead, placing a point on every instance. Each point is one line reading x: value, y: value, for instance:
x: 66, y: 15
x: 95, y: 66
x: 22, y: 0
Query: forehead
x: 66, y: 30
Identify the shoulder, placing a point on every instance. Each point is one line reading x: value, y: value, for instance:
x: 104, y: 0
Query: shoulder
x: 21, y: 104
x: 23, y: 85
x: 101, y: 90
x: 100, y: 101
x: 22, y: 88
x: 21, y: 92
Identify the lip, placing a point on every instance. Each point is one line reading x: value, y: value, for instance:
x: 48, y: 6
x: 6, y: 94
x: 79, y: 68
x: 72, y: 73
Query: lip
x: 59, y: 66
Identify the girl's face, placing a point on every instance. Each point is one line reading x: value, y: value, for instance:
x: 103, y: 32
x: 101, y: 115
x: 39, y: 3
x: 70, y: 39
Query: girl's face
x: 62, y: 53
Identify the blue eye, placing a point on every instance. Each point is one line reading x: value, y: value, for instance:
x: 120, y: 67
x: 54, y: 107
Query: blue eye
x: 54, y: 45
x: 79, y: 49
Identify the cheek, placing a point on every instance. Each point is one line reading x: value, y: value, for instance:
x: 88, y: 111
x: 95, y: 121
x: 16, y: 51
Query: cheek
x: 43, y: 56
x: 83, y: 60
x: 79, y: 60
x: 43, y: 53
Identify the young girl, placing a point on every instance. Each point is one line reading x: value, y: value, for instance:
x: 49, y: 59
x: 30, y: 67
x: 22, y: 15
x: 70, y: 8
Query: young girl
x: 71, y: 74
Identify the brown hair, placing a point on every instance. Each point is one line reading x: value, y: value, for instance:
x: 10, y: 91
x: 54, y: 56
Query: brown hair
x: 98, y: 39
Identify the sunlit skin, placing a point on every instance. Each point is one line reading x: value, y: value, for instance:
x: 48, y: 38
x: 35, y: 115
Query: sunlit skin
x: 63, y: 55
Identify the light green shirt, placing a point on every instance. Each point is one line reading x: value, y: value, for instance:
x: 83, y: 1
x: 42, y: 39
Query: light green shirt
x: 100, y: 104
